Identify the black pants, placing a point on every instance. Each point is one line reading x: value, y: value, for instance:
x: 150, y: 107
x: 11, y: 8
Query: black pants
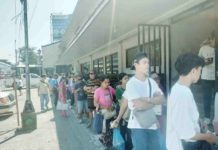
x: 208, y: 96
x: 199, y: 145
x: 55, y: 93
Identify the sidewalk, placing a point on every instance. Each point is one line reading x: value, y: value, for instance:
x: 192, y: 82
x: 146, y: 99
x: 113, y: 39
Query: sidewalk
x: 53, y: 131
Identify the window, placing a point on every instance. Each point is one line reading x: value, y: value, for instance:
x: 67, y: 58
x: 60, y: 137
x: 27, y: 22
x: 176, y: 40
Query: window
x: 34, y: 76
x: 98, y: 66
x: 111, y: 64
x: 85, y: 68
x: 154, y: 53
x: 130, y: 53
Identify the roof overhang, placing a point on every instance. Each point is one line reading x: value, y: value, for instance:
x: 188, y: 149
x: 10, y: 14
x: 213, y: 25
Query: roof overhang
x: 114, y: 21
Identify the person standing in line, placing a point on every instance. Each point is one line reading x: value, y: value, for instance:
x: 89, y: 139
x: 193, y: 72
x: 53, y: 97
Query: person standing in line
x: 125, y: 132
x: 207, y: 52
x: 62, y: 97
x: 43, y: 91
x: 91, y: 85
x: 103, y: 101
x: 50, y: 80
x: 159, y: 109
x: 82, y: 103
x: 69, y: 90
x: 53, y: 84
x: 143, y: 93
x: 183, y: 129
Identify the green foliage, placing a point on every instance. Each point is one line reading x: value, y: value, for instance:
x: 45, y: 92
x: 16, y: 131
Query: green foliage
x: 33, y: 57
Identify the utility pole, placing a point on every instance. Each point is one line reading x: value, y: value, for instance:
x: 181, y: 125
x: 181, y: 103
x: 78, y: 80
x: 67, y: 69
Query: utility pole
x: 15, y: 85
x: 28, y: 115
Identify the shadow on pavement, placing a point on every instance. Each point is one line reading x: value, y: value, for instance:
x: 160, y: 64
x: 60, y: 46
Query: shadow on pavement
x: 12, y: 133
x: 44, y: 111
x: 4, y: 116
x: 71, y: 134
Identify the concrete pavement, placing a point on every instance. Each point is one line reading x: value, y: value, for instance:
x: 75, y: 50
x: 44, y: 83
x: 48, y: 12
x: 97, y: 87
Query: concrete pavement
x: 53, y: 131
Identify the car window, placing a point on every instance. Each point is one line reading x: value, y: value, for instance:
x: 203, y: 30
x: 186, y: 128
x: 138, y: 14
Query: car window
x: 34, y: 76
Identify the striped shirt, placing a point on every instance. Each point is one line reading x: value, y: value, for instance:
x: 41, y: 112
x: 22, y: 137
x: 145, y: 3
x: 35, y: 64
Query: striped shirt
x: 92, y: 83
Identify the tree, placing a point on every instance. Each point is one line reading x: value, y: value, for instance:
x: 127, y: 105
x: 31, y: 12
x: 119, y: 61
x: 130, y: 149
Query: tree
x: 33, y: 57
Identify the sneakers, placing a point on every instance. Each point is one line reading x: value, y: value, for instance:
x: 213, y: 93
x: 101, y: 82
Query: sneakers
x: 207, y: 121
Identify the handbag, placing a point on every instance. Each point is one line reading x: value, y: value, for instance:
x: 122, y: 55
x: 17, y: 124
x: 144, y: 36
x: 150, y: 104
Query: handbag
x: 108, y: 113
x: 97, y: 123
x: 111, y: 112
x: 118, y: 141
x: 145, y: 118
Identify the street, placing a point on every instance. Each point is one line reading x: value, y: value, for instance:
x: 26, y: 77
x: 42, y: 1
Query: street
x: 53, y: 131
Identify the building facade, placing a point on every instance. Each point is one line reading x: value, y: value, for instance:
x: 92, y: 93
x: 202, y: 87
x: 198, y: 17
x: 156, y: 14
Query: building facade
x: 59, y: 24
x: 107, y: 34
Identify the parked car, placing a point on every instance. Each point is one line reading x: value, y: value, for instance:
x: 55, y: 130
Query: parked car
x: 7, y: 100
x: 34, y: 79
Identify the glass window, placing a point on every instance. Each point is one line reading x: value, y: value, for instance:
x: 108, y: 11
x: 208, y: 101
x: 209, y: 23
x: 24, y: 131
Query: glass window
x: 111, y: 64
x: 34, y: 76
x: 101, y: 66
x: 130, y: 53
x: 115, y: 63
x: 85, y: 68
x: 108, y: 64
x: 154, y: 53
x: 98, y: 65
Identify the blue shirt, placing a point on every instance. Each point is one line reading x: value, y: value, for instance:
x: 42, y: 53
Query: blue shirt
x: 53, y: 83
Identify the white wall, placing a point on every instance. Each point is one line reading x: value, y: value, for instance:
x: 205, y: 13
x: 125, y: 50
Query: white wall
x: 50, y: 55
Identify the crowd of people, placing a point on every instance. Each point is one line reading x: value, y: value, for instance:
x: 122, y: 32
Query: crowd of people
x: 136, y: 105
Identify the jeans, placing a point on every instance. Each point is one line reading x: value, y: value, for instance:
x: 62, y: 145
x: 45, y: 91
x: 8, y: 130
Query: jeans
x: 208, y: 95
x: 82, y: 106
x: 44, y: 100
x: 126, y: 133
x: 147, y: 139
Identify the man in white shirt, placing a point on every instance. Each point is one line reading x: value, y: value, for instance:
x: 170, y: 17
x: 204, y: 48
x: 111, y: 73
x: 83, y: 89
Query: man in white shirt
x: 143, y: 93
x: 183, y: 130
x: 207, y: 52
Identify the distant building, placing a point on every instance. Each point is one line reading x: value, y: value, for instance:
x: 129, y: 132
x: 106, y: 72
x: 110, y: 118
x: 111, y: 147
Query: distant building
x: 59, y: 24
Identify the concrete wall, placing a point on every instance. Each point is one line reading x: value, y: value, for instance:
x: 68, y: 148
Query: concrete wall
x: 50, y: 55
x: 188, y: 33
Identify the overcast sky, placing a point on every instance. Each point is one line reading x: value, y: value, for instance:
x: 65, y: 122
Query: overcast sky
x: 38, y: 21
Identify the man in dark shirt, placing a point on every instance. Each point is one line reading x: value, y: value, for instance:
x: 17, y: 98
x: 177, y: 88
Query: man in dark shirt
x: 82, y: 104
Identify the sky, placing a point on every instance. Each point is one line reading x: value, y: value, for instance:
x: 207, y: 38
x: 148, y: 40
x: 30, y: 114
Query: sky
x: 39, y: 11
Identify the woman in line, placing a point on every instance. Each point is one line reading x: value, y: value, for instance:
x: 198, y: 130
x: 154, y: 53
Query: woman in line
x: 62, y: 94
x: 103, y: 101
x: 125, y: 132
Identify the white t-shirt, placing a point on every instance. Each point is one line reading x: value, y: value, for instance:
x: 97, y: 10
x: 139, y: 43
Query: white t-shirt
x: 182, y: 117
x: 208, y: 71
x: 137, y: 89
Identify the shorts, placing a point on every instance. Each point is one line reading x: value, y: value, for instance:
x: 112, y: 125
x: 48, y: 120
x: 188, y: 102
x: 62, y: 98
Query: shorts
x: 91, y: 104
x: 82, y: 106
